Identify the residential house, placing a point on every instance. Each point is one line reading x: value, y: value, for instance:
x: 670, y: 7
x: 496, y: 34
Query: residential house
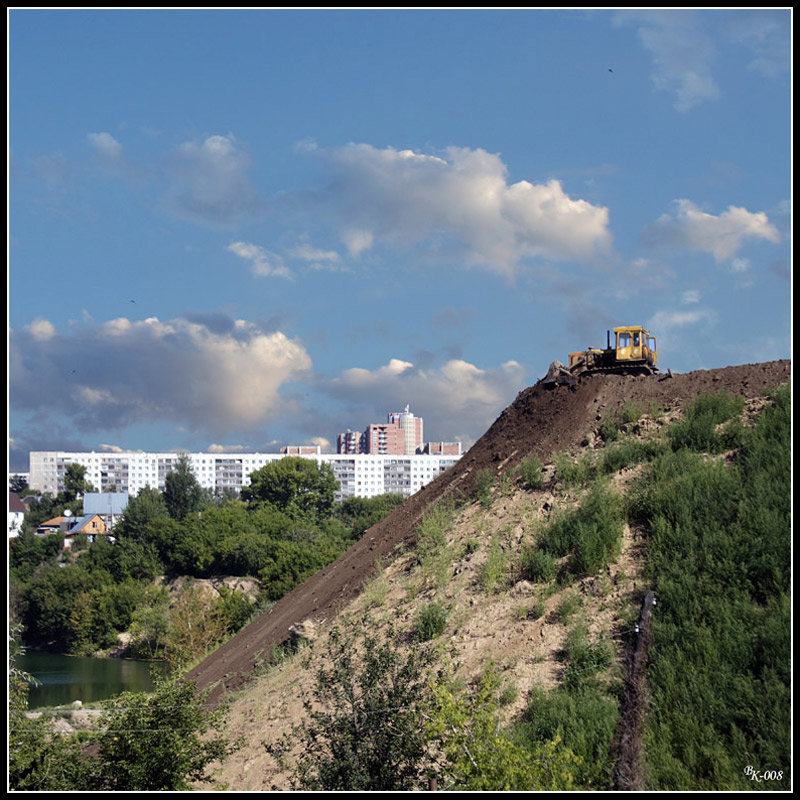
x: 16, y: 513
x: 90, y: 525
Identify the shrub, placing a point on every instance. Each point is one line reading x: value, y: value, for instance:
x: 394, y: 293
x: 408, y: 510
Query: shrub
x: 574, y: 471
x: 585, y: 659
x: 627, y: 453
x: 609, y: 428
x: 479, y: 756
x: 431, y: 621
x: 568, y: 607
x: 719, y: 559
x: 530, y: 470
x: 698, y: 429
x: 538, y: 565
x: 484, y: 480
x: 363, y: 729
x: 592, y: 532
x: 585, y: 718
x: 159, y: 742
x: 495, y: 568
x: 432, y: 546
x: 632, y: 412
x: 599, y: 531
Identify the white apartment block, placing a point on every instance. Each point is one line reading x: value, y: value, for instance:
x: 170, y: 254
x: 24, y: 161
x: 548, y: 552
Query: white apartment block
x: 358, y: 475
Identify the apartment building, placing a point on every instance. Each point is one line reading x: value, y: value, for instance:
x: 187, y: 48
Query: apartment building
x: 401, y: 434
x: 358, y: 475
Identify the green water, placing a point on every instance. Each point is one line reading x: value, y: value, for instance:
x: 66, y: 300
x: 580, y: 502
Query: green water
x: 65, y: 679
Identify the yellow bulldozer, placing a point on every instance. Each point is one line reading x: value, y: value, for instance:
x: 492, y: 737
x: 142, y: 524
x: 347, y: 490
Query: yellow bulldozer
x: 633, y: 352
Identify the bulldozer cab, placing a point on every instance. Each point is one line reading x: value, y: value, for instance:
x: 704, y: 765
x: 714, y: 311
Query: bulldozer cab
x: 634, y: 343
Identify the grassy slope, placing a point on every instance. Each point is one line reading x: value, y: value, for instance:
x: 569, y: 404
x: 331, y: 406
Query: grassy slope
x: 559, y: 640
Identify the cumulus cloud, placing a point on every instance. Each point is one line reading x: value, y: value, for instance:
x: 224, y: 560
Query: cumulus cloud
x: 459, y: 204
x: 456, y: 400
x: 722, y: 235
x: 208, y: 180
x: 682, y: 53
x: 41, y: 330
x: 262, y: 262
x: 124, y: 372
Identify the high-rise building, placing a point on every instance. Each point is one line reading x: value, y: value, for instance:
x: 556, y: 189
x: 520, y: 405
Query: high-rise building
x: 401, y: 434
x: 411, y: 427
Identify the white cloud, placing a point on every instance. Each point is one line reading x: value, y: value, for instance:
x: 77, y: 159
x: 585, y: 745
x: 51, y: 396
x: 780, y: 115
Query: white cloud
x: 682, y: 54
x: 208, y: 180
x: 721, y: 235
x: 691, y: 297
x: 262, y: 262
x: 228, y: 448
x: 767, y: 35
x: 105, y: 144
x: 460, y: 204
x: 306, y: 252
x: 666, y: 322
x: 42, y: 330
x: 126, y: 371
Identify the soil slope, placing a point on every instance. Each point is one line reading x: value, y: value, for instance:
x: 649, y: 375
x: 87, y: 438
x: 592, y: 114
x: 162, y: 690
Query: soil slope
x: 540, y: 422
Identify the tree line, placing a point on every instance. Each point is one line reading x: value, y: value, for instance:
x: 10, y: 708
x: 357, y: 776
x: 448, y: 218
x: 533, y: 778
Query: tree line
x: 282, y: 528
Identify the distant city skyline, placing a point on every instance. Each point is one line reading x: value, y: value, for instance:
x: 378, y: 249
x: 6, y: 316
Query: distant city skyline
x: 235, y: 230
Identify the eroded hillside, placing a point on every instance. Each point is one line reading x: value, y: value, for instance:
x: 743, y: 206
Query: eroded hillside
x: 540, y: 422
x: 491, y: 614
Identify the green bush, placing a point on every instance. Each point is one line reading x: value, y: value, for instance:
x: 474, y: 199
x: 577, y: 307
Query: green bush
x: 495, y: 570
x: 431, y: 621
x: 568, y: 607
x: 364, y: 729
x: 530, y: 471
x: 698, y: 429
x: 584, y: 659
x: 632, y: 412
x: 432, y: 543
x: 484, y: 480
x: 538, y: 565
x: 719, y: 558
x: 627, y: 453
x: 591, y: 533
x: 574, y: 471
x: 584, y: 717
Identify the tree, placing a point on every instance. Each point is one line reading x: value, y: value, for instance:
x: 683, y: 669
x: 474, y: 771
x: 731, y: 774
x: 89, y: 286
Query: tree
x: 75, y: 483
x: 297, y: 486
x: 182, y: 493
x: 145, y: 508
x: 364, y: 729
x: 478, y: 756
x: 196, y: 625
x: 158, y: 742
x: 17, y: 483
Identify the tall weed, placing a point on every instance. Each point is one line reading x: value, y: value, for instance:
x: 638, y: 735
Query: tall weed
x: 719, y: 560
x: 698, y: 428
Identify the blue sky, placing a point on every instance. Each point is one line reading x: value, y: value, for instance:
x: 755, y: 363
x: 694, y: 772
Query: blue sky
x: 230, y: 230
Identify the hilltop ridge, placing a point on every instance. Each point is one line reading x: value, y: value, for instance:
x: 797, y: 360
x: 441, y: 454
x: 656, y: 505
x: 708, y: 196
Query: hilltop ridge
x: 541, y: 421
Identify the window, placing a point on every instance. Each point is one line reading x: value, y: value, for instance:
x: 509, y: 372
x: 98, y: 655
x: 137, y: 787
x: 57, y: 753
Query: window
x: 624, y: 340
x: 636, y: 339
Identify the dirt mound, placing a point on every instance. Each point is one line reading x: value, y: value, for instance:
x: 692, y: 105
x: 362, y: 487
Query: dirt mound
x: 540, y: 422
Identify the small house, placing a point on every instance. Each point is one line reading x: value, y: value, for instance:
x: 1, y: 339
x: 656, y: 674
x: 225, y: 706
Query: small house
x: 90, y: 525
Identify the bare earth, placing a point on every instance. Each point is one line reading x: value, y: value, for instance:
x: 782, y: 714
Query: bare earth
x: 539, y: 422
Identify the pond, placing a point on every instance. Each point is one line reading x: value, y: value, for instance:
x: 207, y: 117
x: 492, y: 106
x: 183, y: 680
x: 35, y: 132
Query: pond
x: 65, y: 679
